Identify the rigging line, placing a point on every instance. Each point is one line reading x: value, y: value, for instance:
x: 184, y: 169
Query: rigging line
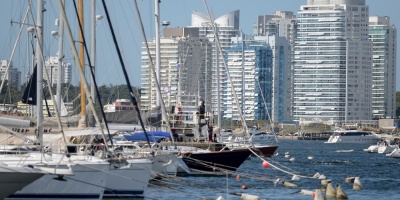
x: 93, y: 77
x: 48, y: 85
x: 157, y: 82
x: 242, y: 118
x: 266, y: 108
x: 79, y: 67
x: 282, y: 170
x: 132, y: 96
x: 13, y: 51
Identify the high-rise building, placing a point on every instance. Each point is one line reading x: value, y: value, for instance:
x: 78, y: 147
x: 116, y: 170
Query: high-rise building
x: 333, y: 62
x: 51, y: 65
x: 13, y: 75
x: 250, y: 70
x: 281, y: 24
x: 383, y: 37
x: 185, y: 68
x: 227, y: 26
x: 260, y: 70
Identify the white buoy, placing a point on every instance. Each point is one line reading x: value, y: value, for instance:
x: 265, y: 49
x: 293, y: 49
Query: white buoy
x: 349, y: 179
x: 287, y: 156
x: 324, y: 182
x: 340, y: 193
x: 330, y: 191
x: 291, y: 159
x: 357, y: 184
x: 287, y: 184
x: 322, y: 176
x: 310, y: 157
x: 295, y: 178
x: 220, y: 198
x: 317, y: 175
x: 287, y: 153
x: 318, y: 195
x: 306, y: 192
x: 249, y: 197
x: 276, y: 181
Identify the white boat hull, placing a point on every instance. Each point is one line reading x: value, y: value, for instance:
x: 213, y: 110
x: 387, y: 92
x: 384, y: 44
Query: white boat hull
x: 88, y: 182
x: 395, y: 153
x: 15, y: 178
x: 367, y: 139
x: 128, y: 179
x: 385, y: 149
x: 372, y: 149
x: 87, y: 179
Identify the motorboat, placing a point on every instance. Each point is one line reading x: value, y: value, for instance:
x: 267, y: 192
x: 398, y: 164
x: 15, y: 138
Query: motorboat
x: 395, y: 153
x: 352, y: 136
x: 263, y: 143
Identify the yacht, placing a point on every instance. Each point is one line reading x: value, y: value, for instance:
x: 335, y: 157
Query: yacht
x: 352, y: 136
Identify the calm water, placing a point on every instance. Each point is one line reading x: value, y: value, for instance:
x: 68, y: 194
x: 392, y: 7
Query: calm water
x: 380, y: 175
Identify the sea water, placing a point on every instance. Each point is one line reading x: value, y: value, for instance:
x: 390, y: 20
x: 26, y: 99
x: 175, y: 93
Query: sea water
x: 379, y: 175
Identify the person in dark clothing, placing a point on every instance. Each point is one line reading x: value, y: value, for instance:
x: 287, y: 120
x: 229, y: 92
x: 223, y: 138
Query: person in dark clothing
x: 210, y: 133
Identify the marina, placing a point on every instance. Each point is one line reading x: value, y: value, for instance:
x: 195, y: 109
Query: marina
x: 291, y: 135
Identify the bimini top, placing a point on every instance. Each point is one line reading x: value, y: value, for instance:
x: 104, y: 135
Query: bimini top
x: 154, y: 136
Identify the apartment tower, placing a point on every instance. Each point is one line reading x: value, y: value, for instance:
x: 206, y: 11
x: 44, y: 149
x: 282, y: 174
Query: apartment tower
x: 333, y: 62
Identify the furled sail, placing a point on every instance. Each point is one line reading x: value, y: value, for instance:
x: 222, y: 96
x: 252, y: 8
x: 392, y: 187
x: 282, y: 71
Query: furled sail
x: 29, y: 96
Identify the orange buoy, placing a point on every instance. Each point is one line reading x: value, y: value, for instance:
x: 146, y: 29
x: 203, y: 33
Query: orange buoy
x: 265, y: 164
x: 244, y: 187
x: 238, y: 177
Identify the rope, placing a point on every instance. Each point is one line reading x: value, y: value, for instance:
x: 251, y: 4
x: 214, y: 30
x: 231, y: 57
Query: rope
x: 279, y: 169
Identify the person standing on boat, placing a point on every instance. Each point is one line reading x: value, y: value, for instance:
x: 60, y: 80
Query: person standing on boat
x: 202, y: 111
x: 210, y: 133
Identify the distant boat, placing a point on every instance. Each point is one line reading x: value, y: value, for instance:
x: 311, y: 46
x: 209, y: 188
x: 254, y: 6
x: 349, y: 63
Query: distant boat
x: 345, y: 151
x: 352, y: 136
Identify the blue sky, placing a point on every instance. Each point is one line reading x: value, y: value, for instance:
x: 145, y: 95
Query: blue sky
x: 125, y: 21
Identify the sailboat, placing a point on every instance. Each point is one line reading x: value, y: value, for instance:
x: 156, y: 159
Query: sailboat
x: 15, y: 178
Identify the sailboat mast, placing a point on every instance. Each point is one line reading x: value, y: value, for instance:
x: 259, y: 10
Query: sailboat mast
x: 39, y: 91
x: 93, y: 44
x: 218, y: 75
x: 243, y: 83
x: 157, y: 29
x: 82, y: 60
x: 60, y: 58
x: 92, y: 56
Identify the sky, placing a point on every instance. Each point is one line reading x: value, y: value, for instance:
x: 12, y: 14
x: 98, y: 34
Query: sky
x: 127, y: 28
